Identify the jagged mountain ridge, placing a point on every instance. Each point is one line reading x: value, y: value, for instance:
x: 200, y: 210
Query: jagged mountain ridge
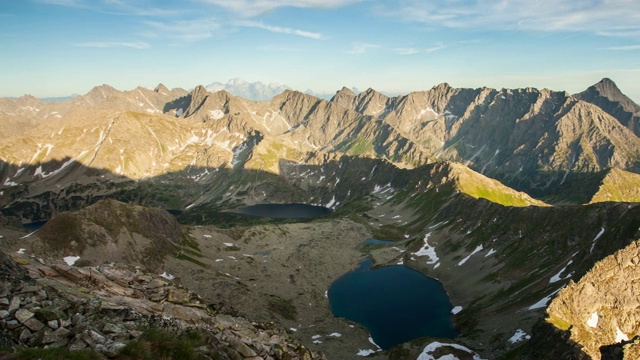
x: 206, y: 152
x: 532, y: 140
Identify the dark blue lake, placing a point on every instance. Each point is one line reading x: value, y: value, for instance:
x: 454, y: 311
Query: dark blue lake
x: 284, y: 211
x: 378, y: 242
x: 395, y: 304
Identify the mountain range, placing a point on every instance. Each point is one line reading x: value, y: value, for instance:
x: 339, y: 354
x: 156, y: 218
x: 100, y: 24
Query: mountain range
x: 542, y: 183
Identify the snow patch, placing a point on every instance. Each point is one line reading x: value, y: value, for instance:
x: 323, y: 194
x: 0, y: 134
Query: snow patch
x: 216, y: 114
x: 593, y: 243
x: 335, y: 334
x: 620, y: 336
x: 593, y: 320
x: 21, y: 251
x: 167, y: 276
x: 544, y: 301
x: 475, y: 251
x: 519, y: 336
x: 491, y: 252
x: 428, y: 250
x: 365, y: 352
x: 456, y: 310
x: 557, y: 277
x: 70, y: 260
x: 228, y: 244
x: 429, y: 350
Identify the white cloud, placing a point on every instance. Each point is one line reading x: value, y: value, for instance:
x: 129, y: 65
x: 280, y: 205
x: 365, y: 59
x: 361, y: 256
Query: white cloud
x: 279, y: 29
x: 251, y: 8
x: 413, y: 51
x: 624, y: 48
x: 545, y: 15
x: 185, y: 30
x: 111, y: 44
x: 360, y: 48
x: 406, y: 51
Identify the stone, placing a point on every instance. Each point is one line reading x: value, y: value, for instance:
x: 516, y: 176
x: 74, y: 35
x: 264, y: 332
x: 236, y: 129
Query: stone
x: 54, y: 324
x: 13, y: 324
x: 4, y: 302
x: 178, y: 296
x: 55, y: 336
x: 48, y: 314
x: 33, y: 324
x: 15, y: 304
x: 23, y: 315
x: 242, y: 348
x: 25, y: 335
x: 4, y: 314
x: 156, y: 283
x: 110, y: 328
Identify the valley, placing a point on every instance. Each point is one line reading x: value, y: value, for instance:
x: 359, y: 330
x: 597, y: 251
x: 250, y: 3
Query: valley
x: 504, y: 196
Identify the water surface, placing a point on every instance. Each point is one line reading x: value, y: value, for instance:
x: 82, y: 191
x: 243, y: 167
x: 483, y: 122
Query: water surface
x: 284, y: 211
x: 395, y: 304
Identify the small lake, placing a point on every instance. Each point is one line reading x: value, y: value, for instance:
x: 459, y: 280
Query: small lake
x: 378, y: 242
x: 395, y: 304
x: 284, y: 211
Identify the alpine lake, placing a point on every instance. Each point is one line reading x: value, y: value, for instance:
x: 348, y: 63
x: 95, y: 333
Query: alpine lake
x: 394, y: 303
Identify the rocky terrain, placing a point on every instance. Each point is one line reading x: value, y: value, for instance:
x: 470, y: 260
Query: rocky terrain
x: 103, y: 308
x: 505, y: 196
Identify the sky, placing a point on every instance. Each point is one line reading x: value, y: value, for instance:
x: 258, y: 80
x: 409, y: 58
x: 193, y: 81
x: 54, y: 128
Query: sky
x: 63, y: 47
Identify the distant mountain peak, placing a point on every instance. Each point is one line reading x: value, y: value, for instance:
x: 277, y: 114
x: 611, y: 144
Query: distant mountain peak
x: 161, y: 89
x: 256, y: 91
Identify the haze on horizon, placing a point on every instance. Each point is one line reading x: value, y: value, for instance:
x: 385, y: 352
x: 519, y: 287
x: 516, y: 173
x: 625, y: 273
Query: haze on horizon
x: 62, y: 47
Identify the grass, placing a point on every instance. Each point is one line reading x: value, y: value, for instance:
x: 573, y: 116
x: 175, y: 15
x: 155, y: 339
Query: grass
x: 159, y: 344
x: 283, y: 307
x: 56, y: 354
x: 183, y: 256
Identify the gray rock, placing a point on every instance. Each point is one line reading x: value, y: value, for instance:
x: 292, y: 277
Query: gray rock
x: 13, y: 324
x: 15, y: 303
x: 4, y: 314
x: 23, y: 315
x: 25, y: 335
x: 55, y: 336
x: 110, y: 328
x: 4, y: 301
x: 33, y: 324
x: 54, y: 324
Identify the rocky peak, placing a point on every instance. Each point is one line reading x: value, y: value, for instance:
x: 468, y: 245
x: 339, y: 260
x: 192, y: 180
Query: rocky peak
x: 371, y: 102
x: 161, y: 89
x: 606, y: 95
x: 344, y: 98
x: 197, y: 98
x: 608, y: 88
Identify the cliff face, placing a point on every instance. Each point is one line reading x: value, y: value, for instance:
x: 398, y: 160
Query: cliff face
x: 600, y: 314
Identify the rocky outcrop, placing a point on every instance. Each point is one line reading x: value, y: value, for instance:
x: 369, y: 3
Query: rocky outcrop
x: 601, y: 312
x: 110, y: 231
x: 104, y: 307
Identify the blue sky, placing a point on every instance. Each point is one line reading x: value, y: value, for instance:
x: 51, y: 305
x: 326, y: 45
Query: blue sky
x: 61, y: 47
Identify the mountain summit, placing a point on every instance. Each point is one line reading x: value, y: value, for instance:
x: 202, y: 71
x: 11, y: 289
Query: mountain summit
x: 255, y: 91
x: 606, y: 95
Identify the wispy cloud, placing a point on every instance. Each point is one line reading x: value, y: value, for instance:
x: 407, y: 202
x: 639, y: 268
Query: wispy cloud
x: 67, y: 3
x: 544, y: 15
x: 361, y: 48
x: 184, y: 30
x: 624, y: 48
x: 250, y: 8
x: 118, y: 7
x: 279, y: 29
x: 112, y: 44
x: 413, y: 51
x: 406, y: 51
